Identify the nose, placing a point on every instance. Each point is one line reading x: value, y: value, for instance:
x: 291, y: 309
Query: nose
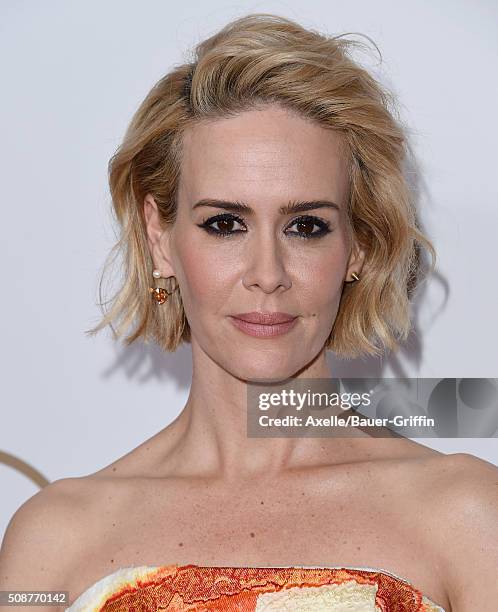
x: 266, y: 264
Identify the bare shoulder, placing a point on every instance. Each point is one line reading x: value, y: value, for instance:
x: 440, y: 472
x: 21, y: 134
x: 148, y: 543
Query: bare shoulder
x: 462, y: 479
x: 464, y: 500
x: 42, y: 536
x: 458, y: 485
x: 58, y: 539
x: 469, y: 489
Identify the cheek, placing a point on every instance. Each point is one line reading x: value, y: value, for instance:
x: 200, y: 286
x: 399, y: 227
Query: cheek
x: 196, y: 272
x: 323, y: 290
x: 205, y: 273
x: 321, y: 275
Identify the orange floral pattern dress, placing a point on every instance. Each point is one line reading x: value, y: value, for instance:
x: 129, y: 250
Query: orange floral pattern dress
x: 182, y: 588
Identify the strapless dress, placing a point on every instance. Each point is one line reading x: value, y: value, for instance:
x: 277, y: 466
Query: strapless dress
x: 182, y: 588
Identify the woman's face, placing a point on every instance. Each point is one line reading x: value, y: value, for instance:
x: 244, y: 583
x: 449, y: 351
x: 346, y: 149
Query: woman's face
x: 258, y: 258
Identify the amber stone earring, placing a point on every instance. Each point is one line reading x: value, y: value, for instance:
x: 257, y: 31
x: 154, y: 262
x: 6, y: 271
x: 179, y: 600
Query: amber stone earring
x: 160, y: 294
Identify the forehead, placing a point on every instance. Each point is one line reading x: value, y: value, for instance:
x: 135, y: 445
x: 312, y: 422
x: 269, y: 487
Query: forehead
x: 268, y: 152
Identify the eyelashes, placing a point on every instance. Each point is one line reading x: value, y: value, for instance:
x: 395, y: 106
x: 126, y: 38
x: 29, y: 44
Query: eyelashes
x: 227, y: 219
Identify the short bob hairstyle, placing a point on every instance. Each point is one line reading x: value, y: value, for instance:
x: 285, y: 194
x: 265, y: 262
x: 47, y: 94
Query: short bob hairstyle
x: 253, y: 61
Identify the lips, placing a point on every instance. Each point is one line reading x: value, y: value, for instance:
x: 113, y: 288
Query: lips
x: 264, y: 325
x: 265, y: 318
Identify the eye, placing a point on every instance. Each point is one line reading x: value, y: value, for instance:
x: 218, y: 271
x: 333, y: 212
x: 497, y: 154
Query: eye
x: 225, y: 223
x: 305, y: 225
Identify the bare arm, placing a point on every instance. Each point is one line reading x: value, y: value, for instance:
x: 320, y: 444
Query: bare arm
x: 40, y: 539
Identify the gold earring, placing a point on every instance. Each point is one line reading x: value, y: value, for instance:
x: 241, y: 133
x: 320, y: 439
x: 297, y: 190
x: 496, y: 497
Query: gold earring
x: 355, y: 276
x: 159, y: 294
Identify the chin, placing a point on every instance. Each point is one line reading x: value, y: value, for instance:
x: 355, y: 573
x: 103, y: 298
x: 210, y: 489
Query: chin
x: 261, y: 371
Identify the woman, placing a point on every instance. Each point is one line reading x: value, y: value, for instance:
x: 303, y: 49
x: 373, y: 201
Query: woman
x: 265, y: 177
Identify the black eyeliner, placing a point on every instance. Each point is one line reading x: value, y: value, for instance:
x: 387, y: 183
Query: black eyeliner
x: 206, y: 225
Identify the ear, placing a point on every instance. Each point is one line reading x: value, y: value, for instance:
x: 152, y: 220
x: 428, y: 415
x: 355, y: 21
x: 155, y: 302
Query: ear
x: 158, y: 238
x: 355, y: 263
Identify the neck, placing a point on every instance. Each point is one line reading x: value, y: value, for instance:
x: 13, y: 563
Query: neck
x: 211, y: 431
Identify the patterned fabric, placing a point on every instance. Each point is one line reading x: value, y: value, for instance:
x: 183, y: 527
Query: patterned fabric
x: 183, y: 588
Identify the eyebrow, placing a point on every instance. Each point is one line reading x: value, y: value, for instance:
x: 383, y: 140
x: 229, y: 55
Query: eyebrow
x: 287, y: 209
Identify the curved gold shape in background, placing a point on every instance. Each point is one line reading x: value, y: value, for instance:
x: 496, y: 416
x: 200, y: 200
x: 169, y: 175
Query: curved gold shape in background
x: 27, y: 470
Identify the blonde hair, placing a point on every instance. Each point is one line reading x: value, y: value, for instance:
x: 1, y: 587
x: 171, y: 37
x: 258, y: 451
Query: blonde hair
x: 266, y: 59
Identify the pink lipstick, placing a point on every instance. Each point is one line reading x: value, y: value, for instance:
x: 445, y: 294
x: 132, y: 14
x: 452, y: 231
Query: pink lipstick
x: 264, y: 324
